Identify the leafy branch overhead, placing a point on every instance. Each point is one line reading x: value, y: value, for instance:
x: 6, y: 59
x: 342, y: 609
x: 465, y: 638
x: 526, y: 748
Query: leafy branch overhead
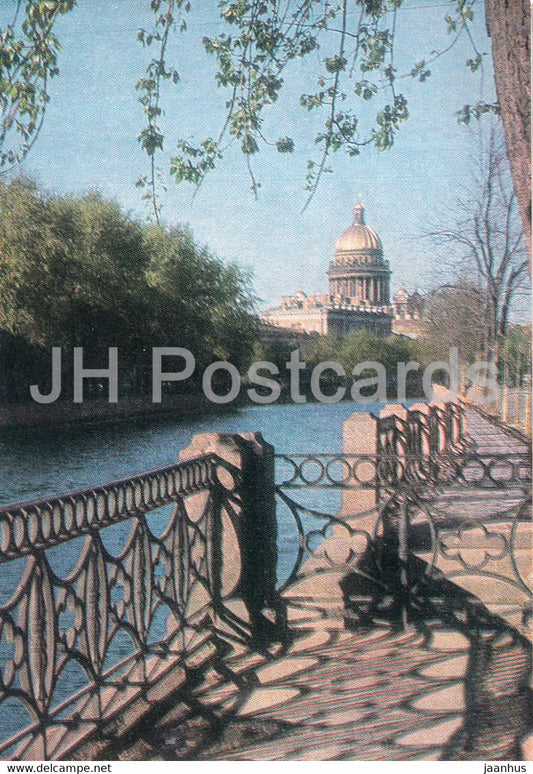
x: 28, y: 60
x: 352, y: 46
x: 351, y: 42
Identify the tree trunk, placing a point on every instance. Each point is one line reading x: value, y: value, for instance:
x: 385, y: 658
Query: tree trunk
x: 508, y: 24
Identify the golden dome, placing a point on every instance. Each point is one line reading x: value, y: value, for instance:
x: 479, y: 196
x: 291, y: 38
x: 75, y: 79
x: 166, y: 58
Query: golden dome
x: 359, y: 237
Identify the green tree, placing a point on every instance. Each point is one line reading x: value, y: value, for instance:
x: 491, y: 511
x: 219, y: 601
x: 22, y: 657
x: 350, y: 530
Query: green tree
x: 320, y: 349
x: 198, y: 302
x: 103, y: 274
x: 29, y: 247
x: 78, y: 271
x: 362, y: 346
x: 29, y: 52
x: 72, y: 274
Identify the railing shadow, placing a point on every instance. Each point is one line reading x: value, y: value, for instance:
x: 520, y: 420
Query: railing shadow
x: 498, y: 699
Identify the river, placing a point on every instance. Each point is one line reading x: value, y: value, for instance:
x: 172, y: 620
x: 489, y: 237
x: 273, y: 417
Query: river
x: 45, y: 462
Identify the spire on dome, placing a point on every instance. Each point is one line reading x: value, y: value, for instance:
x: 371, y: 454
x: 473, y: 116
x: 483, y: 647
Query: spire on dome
x: 359, y: 213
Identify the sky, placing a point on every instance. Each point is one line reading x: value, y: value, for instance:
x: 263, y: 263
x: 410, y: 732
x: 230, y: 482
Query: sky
x: 89, y: 141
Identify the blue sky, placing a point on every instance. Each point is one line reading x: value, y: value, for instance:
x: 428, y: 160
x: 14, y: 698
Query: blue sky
x: 89, y: 141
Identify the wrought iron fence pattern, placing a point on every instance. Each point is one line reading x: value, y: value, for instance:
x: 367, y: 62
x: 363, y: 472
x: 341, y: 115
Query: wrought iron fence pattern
x: 101, y: 585
x: 327, y: 542
x: 365, y: 471
x: 103, y: 603
x: 438, y: 429
x: 466, y: 515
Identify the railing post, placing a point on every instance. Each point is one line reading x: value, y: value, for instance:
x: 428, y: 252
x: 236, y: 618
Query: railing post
x: 360, y: 438
x: 424, y: 466
x: 401, y: 442
x: 434, y: 444
x: 422, y: 412
x: 449, y: 419
x: 403, y: 556
x: 248, y: 531
x: 395, y: 555
x: 440, y: 429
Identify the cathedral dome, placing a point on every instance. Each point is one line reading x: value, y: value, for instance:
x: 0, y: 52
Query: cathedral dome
x: 359, y: 237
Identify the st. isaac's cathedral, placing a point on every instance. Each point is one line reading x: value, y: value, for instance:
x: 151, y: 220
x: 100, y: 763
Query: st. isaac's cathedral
x: 359, y: 289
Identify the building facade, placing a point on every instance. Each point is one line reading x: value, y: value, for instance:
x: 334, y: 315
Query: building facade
x: 359, y: 290
x: 408, y: 310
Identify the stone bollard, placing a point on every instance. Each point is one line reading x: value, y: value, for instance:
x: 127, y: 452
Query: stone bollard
x: 360, y: 438
x: 248, y: 539
x: 377, y: 511
x: 360, y: 434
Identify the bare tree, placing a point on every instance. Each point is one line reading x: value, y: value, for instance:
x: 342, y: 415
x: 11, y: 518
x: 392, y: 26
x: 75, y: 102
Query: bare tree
x: 456, y: 316
x: 484, y: 238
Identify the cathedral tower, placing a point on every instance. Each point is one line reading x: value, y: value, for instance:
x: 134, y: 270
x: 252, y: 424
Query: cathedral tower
x: 358, y: 274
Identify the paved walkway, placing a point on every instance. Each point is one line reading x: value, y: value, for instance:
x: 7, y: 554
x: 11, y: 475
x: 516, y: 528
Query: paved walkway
x: 451, y: 685
x: 490, y: 525
x: 490, y: 439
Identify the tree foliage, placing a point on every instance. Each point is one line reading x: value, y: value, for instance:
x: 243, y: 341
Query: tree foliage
x: 198, y: 300
x: 352, y: 46
x: 29, y: 52
x: 78, y: 271
x: 348, y: 351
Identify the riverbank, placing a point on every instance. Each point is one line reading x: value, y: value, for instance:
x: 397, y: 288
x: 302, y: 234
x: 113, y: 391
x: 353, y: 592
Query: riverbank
x: 96, y: 412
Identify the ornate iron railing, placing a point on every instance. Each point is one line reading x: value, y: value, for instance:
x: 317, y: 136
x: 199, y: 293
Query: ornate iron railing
x: 105, y: 593
x: 438, y: 429
x: 365, y: 471
x: 400, y: 520
x: 99, y: 587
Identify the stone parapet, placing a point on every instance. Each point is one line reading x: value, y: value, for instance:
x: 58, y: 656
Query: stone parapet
x: 247, y: 548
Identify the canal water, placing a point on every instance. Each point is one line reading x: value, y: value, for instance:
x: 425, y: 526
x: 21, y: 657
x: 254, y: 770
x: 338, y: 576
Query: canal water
x: 45, y: 462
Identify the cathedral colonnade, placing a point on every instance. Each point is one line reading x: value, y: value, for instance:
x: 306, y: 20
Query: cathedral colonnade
x: 359, y: 289
x: 375, y: 289
x: 358, y: 270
